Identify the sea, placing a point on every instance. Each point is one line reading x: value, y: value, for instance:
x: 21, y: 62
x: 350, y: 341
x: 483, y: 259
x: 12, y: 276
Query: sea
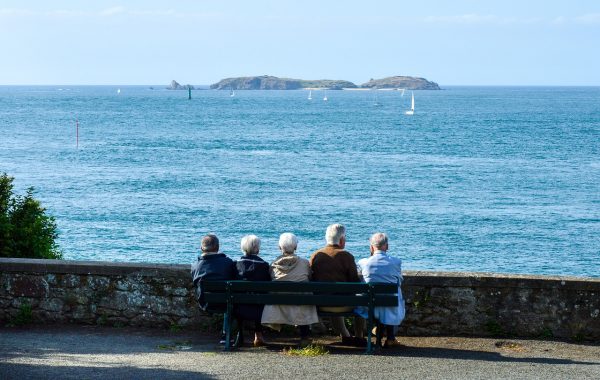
x: 480, y: 179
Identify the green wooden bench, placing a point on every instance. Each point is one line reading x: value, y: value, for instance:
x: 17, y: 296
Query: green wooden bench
x: 300, y: 293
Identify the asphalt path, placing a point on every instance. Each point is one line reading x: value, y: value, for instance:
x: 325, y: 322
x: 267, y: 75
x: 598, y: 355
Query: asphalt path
x: 81, y: 352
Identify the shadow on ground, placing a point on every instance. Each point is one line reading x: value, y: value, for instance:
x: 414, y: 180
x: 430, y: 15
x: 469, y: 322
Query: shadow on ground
x: 30, y: 371
x: 434, y: 353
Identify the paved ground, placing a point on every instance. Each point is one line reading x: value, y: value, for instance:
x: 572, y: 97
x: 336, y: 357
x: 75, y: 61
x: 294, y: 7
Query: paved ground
x: 123, y: 353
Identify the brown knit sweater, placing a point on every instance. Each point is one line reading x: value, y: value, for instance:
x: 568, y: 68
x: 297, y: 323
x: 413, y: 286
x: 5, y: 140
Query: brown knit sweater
x: 333, y: 264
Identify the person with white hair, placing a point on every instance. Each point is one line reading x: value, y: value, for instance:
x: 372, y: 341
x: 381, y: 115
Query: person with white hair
x: 333, y: 263
x: 381, y: 267
x: 290, y: 267
x: 250, y: 267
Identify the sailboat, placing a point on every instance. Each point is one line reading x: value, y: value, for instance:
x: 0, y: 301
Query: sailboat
x: 232, y: 93
x: 325, y: 97
x: 118, y: 91
x: 310, y: 95
x: 376, y: 103
x: 412, y: 105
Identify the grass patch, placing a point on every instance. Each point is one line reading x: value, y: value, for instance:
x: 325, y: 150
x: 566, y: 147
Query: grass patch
x: 308, y: 351
x: 176, y: 346
x: 508, y: 345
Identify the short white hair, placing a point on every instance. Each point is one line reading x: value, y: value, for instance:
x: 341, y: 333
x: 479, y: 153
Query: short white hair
x: 288, y: 242
x: 250, y: 244
x: 335, y: 233
x: 378, y: 240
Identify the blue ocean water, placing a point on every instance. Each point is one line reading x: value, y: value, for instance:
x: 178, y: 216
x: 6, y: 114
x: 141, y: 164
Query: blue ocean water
x: 498, y: 179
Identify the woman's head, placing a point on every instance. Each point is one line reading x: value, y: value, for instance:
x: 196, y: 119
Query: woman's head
x: 288, y: 242
x: 250, y: 245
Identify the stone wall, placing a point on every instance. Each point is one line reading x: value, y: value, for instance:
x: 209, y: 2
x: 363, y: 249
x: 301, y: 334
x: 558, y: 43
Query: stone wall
x: 157, y: 295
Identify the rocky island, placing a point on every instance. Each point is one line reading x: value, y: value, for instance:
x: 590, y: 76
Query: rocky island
x: 176, y: 86
x: 267, y: 82
x: 408, y: 83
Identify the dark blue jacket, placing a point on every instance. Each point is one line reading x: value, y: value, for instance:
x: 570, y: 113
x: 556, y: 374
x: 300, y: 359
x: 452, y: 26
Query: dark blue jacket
x: 251, y: 268
x: 213, y: 267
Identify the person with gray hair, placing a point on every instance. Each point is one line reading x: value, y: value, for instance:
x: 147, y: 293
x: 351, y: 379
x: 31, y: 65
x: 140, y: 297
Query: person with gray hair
x: 333, y: 263
x: 250, y: 267
x: 381, y: 267
x: 290, y: 267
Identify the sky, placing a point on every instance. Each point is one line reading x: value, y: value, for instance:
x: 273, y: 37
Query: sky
x: 459, y: 42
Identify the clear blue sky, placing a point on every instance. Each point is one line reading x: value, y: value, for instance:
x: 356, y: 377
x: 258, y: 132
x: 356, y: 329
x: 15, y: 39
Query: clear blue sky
x: 199, y: 42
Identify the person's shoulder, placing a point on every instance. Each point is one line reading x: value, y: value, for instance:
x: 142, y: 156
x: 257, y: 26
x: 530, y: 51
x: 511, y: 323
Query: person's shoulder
x: 225, y: 259
x: 315, y: 254
x: 303, y: 260
x: 344, y: 253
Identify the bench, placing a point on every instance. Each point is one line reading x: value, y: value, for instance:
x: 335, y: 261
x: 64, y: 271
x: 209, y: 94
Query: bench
x: 300, y: 293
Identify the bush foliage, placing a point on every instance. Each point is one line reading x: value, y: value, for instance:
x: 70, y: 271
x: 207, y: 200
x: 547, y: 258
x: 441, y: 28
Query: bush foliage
x: 25, y: 229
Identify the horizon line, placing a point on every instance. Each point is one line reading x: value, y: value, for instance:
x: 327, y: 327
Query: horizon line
x: 208, y: 85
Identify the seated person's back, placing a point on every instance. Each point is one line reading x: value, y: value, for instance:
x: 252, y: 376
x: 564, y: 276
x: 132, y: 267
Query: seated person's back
x: 381, y: 267
x: 211, y: 266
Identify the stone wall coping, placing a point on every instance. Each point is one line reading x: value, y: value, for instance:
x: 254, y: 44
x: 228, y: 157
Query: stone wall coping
x: 411, y: 278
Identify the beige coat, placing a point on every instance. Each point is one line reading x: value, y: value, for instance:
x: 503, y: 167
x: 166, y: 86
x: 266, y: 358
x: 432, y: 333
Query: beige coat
x: 289, y: 268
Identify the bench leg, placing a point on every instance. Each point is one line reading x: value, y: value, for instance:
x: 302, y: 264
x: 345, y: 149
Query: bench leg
x: 227, y: 323
x: 369, y: 330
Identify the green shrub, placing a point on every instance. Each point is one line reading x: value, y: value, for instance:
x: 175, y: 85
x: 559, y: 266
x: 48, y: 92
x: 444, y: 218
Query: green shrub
x: 23, y: 317
x: 25, y: 229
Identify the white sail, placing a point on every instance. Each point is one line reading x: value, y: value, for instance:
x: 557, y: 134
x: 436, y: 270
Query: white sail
x: 325, y: 97
x: 310, y: 95
x: 412, y: 105
x: 232, y: 93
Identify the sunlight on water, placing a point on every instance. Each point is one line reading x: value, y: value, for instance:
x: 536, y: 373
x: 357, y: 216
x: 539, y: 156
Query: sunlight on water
x: 479, y: 179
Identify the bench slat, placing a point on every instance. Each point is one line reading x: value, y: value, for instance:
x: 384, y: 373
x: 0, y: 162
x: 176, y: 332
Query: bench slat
x: 303, y: 299
x: 288, y: 286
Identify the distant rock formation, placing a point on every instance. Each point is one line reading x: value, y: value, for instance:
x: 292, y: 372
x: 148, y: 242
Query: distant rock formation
x: 176, y: 86
x: 409, y: 83
x: 267, y: 82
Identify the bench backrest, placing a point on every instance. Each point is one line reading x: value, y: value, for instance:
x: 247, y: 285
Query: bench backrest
x: 301, y: 293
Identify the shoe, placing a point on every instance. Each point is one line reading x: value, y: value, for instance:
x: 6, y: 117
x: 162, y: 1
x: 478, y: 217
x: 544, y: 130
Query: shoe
x: 223, y: 340
x: 391, y: 344
x: 354, y: 341
x: 259, y: 343
x: 239, y: 340
x: 305, y: 342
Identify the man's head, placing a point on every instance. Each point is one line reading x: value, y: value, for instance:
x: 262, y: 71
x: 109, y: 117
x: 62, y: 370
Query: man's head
x: 379, y: 242
x: 210, y: 244
x: 336, y: 235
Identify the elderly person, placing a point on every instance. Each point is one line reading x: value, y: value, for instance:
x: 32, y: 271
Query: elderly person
x: 211, y: 266
x: 250, y: 267
x: 380, y: 267
x: 333, y: 263
x: 290, y: 267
